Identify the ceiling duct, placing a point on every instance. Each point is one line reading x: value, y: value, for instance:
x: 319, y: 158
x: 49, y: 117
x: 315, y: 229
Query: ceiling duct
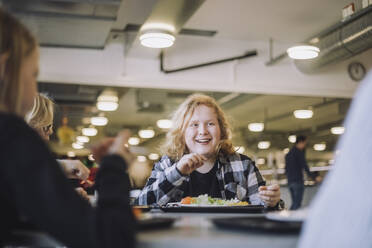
x: 67, y: 23
x: 171, y: 15
x: 341, y: 41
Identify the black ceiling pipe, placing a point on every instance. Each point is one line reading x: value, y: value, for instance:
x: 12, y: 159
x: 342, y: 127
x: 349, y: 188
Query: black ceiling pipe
x: 246, y: 55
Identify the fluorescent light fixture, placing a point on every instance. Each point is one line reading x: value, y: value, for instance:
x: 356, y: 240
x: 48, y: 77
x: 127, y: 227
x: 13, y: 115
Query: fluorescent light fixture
x: 285, y: 150
x: 261, y: 161
x: 292, y: 138
x: 77, y: 146
x: 164, y: 124
x: 157, y: 39
x: 99, y: 121
x: 82, y: 139
x: 90, y: 157
x: 146, y: 133
x: 239, y: 149
x: 133, y: 141
x: 154, y: 156
x: 256, y: 127
x: 71, y: 154
x: 89, y: 131
x: 263, y: 145
x: 337, y: 130
x: 320, y: 147
x: 303, y: 113
x: 141, y: 158
x: 107, y: 106
x: 303, y: 52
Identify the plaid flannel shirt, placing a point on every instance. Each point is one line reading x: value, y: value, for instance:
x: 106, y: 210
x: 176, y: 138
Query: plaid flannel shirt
x: 237, y: 177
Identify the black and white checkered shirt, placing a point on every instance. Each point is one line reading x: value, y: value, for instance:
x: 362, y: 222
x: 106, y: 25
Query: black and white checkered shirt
x: 237, y: 177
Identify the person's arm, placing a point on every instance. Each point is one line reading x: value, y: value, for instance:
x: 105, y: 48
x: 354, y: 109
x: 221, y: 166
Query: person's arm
x: 302, y: 161
x: 42, y: 194
x: 164, y: 179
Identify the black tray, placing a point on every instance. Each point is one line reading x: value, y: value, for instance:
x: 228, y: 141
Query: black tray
x: 232, y: 209
x: 258, y: 224
x: 155, y: 223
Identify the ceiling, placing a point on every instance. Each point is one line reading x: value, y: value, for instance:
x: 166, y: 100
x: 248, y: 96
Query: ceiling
x: 91, y: 24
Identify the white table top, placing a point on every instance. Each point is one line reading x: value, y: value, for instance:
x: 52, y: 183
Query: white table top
x: 196, y: 230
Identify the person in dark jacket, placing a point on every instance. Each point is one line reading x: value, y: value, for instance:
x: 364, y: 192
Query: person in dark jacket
x: 295, y: 163
x: 33, y: 187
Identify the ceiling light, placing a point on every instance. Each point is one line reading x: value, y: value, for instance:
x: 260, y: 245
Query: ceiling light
x: 133, y: 141
x: 337, y: 130
x: 303, y: 113
x: 82, y: 139
x: 99, y: 121
x: 157, y: 39
x: 89, y: 131
x: 263, y: 145
x: 146, y: 133
x: 292, y: 138
x: 107, y: 106
x: 141, y: 158
x: 153, y: 156
x: 256, y: 127
x: 303, y: 52
x: 239, y: 149
x: 320, y: 147
x: 71, y: 154
x: 260, y: 161
x: 77, y: 146
x: 90, y: 157
x: 285, y: 150
x: 165, y: 124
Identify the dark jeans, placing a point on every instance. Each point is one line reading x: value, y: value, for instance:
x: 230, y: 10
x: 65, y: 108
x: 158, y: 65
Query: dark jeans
x: 297, y: 193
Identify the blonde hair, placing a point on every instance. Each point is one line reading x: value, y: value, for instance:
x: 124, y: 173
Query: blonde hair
x: 41, y: 114
x: 16, y: 43
x: 175, y: 146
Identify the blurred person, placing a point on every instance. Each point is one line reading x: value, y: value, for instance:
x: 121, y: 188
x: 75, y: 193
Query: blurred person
x: 295, y: 164
x: 41, y: 119
x: 32, y: 185
x: 343, y: 205
x: 200, y: 159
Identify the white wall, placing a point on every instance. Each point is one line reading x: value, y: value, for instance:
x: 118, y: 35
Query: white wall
x: 112, y: 67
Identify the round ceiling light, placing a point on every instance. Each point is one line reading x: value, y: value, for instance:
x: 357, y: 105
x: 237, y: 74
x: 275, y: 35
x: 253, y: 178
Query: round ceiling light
x: 99, y: 121
x: 146, y: 133
x: 82, y: 139
x: 263, y: 145
x: 320, y: 147
x: 303, y: 113
x: 133, y: 141
x: 239, y: 149
x: 107, y: 106
x: 303, y: 52
x: 89, y: 131
x: 256, y: 127
x: 157, y: 39
x: 337, y: 130
x: 77, y: 146
x: 164, y: 124
x: 141, y: 158
x: 292, y: 138
x: 153, y: 156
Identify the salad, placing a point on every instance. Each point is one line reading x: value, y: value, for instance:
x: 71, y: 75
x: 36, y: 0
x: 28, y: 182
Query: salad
x: 205, y: 200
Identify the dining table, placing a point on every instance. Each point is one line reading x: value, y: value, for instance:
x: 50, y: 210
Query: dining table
x: 194, y: 230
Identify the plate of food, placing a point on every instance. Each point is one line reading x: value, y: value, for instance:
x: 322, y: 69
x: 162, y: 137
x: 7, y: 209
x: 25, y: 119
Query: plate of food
x: 207, y: 204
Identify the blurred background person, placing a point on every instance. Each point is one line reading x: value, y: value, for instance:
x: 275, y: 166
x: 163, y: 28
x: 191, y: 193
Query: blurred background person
x: 32, y: 185
x: 343, y: 205
x: 295, y: 164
